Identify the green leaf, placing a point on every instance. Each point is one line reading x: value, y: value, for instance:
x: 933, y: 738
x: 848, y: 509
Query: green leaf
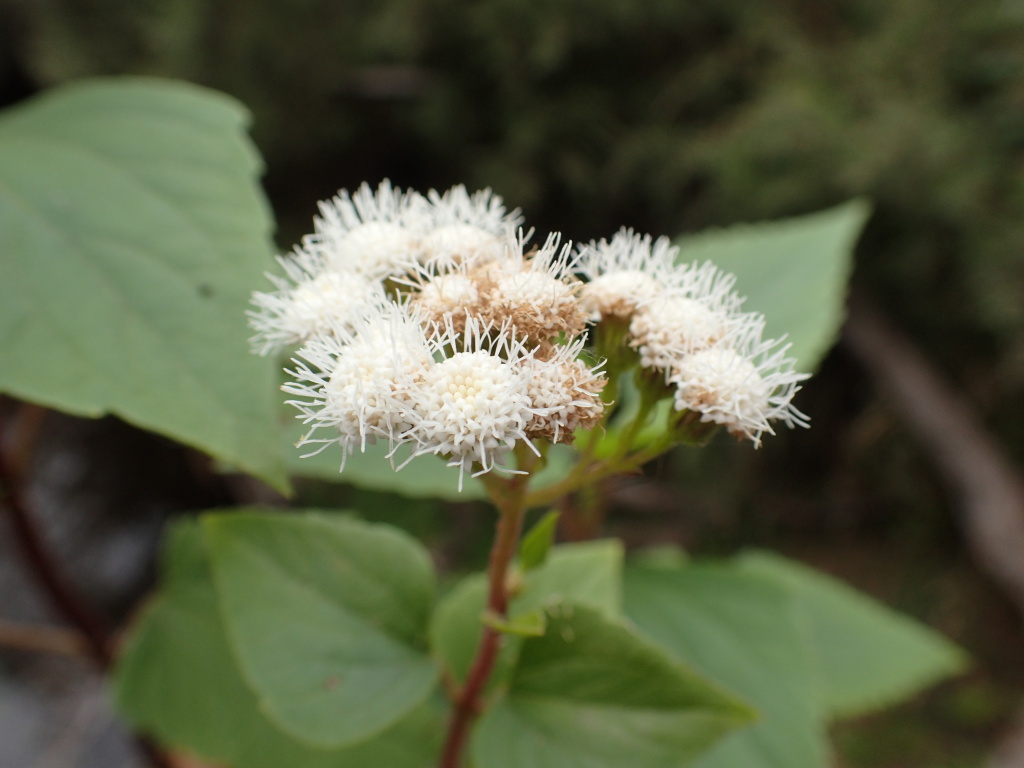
x: 425, y: 476
x: 794, y: 271
x: 177, y: 679
x: 869, y: 656
x: 667, y: 556
x: 591, y: 693
x: 532, y: 624
x: 588, y: 574
x: 133, y: 230
x: 743, y: 631
x: 328, y: 618
x: 534, y: 548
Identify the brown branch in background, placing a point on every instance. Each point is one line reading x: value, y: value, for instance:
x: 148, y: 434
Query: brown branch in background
x: 22, y: 436
x: 990, y: 488
x: 988, y: 484
x: 41, y: 639
x: 93, y: 637
x: 46, y: 570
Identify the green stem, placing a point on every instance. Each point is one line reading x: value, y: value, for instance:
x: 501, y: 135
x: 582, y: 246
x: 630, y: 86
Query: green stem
x: 589, y: 470
x: 581, y: 476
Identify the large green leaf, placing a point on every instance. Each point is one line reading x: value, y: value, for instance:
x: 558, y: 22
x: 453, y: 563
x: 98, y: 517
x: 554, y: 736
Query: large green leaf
x: 585, y: 574
x: 132, y: 231
x: 869, y: 656
x: 591, y: 693
x: 424, y: 476
x: 794, y: 271
x: 178, y: 680
x: 328, y: 618
x: 743, y: 631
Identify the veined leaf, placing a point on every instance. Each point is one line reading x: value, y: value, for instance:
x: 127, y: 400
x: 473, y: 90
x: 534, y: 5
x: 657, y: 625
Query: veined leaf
x: 869, y: 656
x: 743, y: 631
x: 591, y: 693
x: 794, y: 271
x: 328, y: 619
x: 133, y: 230
x: 178, y: 680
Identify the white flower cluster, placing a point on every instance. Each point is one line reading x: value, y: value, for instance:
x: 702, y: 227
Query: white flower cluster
x: 686, y: 321
x: 361, y: 242
x: 428, y: 322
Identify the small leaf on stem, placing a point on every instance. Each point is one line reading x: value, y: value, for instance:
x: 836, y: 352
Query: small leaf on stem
x: 534, y: 548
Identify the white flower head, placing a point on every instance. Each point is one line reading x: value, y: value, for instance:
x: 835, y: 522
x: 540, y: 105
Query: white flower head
x: 697, y: 313
x: 626, y: 272
x: 533, y: 291
x: 357, y: 384
x: 466, y: 228
x: 375, y: 233
x: 743, y: 383
x: 473, y: 404
x: 311, y: 299
x: 566, y: 393
x: 450, y: 297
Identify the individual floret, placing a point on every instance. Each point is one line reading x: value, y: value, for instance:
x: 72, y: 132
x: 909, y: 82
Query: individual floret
x: 466, y: 228
x: 356, y: 385
x: 695, y: 315
x: 566, y: 392
x: 378, y: 234
x: 311, y: 300
x: 743, y: 383
x: 534, y: 292
x: 447, y: 299
x: 626, y: 272
x: 474, y: 404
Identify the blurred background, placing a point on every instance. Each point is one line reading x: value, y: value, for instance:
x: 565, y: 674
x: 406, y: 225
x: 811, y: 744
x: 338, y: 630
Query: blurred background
x: 669, y: 116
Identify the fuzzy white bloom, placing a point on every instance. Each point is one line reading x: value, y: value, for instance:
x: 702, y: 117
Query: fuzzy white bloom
x: 375, y: 233
x: 626, y: 272
x: 566, y: 393
x: 474, y: 404
x: 534, y: 291
x: 466, y: 228
x: 311, y: 300
x: 447, y: 298
x: 426, y: 322
x: 700, y: 311
x: 743, y: 383
x: 451, y: 244
x: 357, y: 384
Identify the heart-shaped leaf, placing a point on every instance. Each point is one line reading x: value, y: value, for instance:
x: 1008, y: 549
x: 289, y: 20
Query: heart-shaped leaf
x: 328, y: 618
x: 178, y: 680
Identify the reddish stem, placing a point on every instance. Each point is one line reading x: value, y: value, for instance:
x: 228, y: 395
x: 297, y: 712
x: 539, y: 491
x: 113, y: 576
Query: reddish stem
x: 44, y: 565
x: 508, y: 496
x: 95, y: 637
